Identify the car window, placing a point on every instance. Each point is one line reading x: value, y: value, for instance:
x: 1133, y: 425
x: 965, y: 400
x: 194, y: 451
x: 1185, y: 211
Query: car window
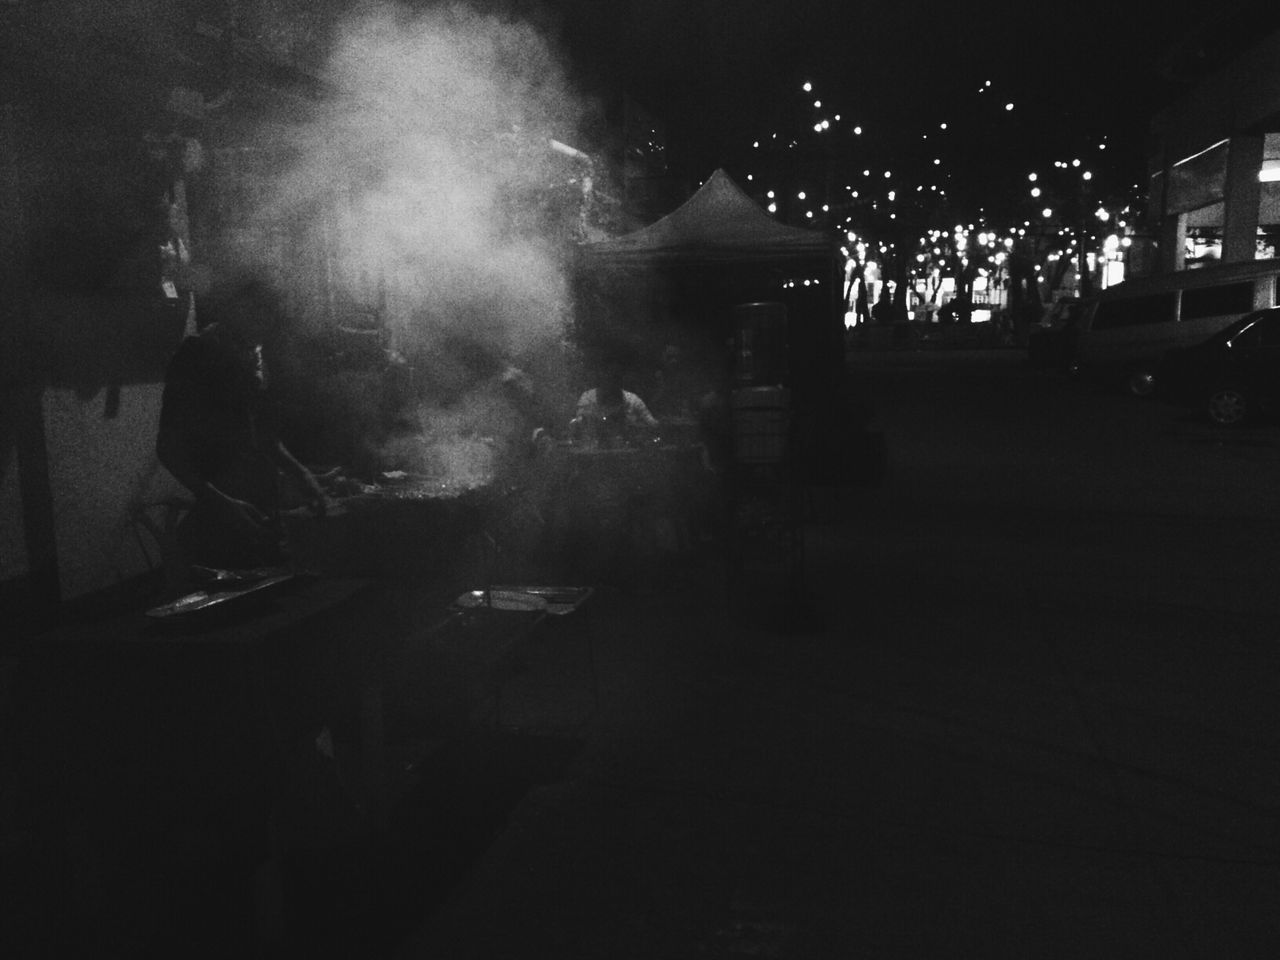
x: 1217, y: 301
x: 1156, y: 308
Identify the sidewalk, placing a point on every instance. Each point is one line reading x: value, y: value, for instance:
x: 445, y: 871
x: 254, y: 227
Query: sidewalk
x: 983, y: 774
x: 961, y: 761
x: 917, y: 335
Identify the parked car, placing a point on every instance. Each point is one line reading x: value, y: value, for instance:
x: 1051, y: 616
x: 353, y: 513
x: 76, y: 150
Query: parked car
x: 1128, y: 329
x: 1052, y: 344
x: 1231, y: 377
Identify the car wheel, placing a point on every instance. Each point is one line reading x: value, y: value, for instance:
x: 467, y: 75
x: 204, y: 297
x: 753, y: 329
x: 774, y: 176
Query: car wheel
x: 1140, y: 382
x: 1228, y: 406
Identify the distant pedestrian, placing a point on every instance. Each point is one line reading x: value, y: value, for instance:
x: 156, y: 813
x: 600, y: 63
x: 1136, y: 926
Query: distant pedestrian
x: 882, y: 312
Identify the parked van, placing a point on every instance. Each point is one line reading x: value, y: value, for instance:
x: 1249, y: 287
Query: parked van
x: 1128, y: 328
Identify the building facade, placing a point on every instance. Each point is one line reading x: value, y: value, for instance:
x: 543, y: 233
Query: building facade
x: 1214, y: 167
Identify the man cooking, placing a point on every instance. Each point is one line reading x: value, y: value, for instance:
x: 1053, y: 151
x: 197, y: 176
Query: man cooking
x: 219, y: 437
x: 607, y: 413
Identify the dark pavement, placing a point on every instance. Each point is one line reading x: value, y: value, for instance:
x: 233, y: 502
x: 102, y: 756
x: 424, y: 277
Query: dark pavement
x: 964, y: 762
x: 1034, y: 714
x: 1030, y: 725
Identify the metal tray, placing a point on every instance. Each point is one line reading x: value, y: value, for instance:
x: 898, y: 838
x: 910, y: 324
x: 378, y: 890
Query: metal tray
x: 203, y: 601
x: 555, y: 600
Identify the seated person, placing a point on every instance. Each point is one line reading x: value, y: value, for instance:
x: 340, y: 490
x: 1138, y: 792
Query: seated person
x: 218, y: 437
x: 608, y: 412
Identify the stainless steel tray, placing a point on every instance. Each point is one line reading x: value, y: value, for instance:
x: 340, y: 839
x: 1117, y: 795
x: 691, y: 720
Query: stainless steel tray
x: 555, y: 600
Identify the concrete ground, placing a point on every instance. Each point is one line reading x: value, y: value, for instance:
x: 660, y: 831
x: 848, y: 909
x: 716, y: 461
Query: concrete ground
x: 995, y: 725
x: 1035, y: 715
x: 961, y: 762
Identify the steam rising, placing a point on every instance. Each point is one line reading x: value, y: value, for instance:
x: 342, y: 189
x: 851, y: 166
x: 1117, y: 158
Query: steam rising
x: 431, y: 158
x: 428, y: 171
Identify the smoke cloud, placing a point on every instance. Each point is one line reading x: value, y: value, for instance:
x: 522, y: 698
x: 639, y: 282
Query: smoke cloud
x: 432, y: 158
x: 408, y: 168
x: 430, y: 183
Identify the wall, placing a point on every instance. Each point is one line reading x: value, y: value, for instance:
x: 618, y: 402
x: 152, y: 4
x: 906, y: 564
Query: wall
x: 1209, y: 149
x: 102, y: 463
x: 13, y: 548
x: 92, y: 366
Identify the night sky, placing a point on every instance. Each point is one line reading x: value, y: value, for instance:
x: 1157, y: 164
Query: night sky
x: 968, y: 99
x: 722, y: 74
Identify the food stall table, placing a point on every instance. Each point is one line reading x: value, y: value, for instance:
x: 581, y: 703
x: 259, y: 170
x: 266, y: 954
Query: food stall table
x: 643, y: 496
x: 164, y: 749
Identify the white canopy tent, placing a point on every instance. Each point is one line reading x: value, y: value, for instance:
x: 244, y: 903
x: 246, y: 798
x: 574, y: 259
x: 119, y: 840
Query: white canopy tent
x: 718, y: 224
